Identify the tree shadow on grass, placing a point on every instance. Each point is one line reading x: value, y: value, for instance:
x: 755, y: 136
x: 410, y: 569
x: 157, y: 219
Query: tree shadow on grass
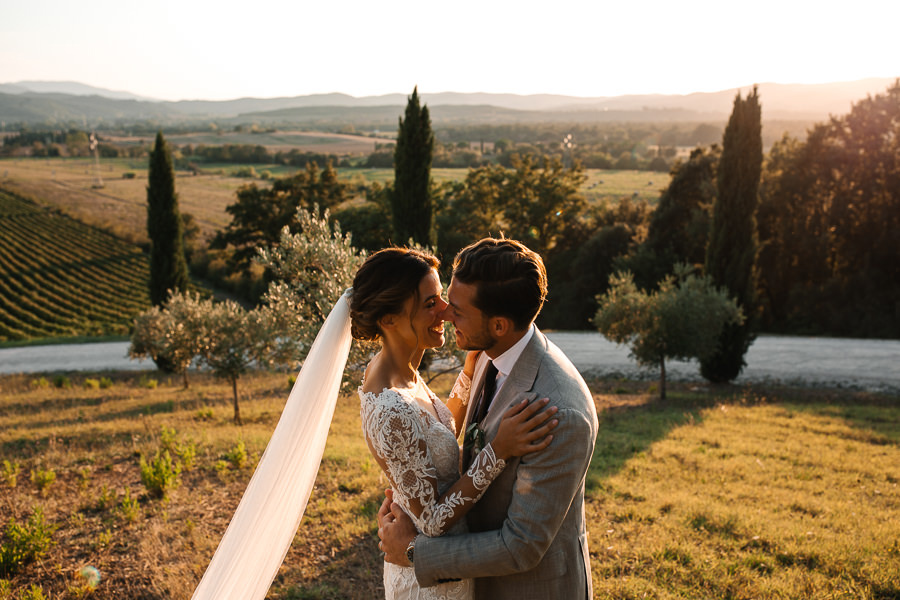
x: 628, y: 428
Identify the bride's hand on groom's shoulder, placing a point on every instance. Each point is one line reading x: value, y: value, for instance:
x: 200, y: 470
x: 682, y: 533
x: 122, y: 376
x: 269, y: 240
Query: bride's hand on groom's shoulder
x: 525, y: 428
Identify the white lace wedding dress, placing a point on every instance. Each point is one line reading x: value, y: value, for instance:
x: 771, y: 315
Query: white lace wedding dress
x: 420, y: 456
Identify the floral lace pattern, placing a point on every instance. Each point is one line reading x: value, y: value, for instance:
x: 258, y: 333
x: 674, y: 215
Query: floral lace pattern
x: 461, y: 388
x: 420, y: 455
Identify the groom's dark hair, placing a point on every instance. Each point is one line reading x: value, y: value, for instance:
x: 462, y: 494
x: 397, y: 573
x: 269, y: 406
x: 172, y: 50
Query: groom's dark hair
x: 510, y: 279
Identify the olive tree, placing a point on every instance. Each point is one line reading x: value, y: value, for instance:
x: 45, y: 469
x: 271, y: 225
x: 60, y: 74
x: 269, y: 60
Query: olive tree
x: 681, y: 320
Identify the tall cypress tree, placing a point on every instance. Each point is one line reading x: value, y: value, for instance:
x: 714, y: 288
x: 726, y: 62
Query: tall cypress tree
x: 168, y: 268
x: 411, y: 203
x: 733, y: 240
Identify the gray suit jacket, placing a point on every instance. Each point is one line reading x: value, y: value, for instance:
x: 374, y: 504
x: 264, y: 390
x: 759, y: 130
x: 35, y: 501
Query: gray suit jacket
x: 528, y: 537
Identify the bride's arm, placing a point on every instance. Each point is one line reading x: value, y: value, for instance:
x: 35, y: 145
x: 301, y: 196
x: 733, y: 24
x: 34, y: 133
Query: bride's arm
x: 458, y: 402
x: 396, y: 437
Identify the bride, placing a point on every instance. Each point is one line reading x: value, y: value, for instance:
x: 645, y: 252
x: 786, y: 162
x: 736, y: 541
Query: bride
x: 410, y: 432
x: 396, y: 298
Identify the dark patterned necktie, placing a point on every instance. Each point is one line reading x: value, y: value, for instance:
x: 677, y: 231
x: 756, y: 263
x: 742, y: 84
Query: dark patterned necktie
x: 473, y: 440
x: 487, y: 394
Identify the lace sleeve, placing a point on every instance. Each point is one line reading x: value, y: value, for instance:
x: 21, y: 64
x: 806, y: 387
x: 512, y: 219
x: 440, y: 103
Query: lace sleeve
x: 395, y: 434
x: 461, y: 389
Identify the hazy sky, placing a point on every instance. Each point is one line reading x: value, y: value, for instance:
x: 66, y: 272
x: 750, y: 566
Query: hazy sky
x: 180, y: 49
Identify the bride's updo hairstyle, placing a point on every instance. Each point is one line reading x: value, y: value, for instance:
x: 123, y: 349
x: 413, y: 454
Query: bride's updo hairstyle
x: 385, y: 281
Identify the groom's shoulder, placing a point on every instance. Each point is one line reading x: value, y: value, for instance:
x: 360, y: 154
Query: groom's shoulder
x: 557, y: 371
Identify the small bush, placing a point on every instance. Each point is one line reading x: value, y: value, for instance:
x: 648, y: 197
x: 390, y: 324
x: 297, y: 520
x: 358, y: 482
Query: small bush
x: 205, y: 414
x: 10, y: 473
x: 84, y: 478
x: 160, y: 475
x: 25, y: 543
x: 237, y: 456
x: 105, y: 383
x: 35, y: 592
x: 129, y: 175
x: 106, y: 498
x: 40, y: 383
x: 148, y: 383
x: 43, y: 479
x: 92, y: 384
x: 62, y: 382
x: 129, y: 507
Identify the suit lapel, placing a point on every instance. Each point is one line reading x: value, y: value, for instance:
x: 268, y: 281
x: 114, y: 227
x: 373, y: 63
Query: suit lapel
x: 520, y: 380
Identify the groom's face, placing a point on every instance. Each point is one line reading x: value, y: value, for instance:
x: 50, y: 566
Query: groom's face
x: 472, y: 332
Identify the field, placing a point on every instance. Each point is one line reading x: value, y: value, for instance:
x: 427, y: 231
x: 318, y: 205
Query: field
x: 62, y: 278
x: 274, y: 141
x: 120, y: 205
x: 715, y: 493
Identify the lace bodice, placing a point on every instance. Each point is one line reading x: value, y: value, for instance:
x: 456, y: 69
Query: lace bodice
x: 420, y: 455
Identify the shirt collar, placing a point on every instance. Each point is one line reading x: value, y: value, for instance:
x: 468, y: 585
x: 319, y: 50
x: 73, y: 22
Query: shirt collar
x: 506, y: 361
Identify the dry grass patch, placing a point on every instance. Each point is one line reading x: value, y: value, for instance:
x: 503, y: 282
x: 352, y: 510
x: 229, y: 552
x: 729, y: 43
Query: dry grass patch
x: 713, y: 494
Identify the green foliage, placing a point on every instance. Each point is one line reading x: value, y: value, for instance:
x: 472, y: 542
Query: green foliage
x: 412, y: 209
x: 129, y: 507
x: 172, y: 332
x: 160, y: 474
x: 679, y: 226
x: 832, y: 204
x: 62, y: 382
x: 260, y: 214
x: 10, y: 472
x: 733, y: 241
x: 168, y: 267
x: 91, y: 384
x: 25, y: 543
x: 238, y: 456
x: 34, y: 592
x: 105, y: 498
x: 534, y: 202
x: 40, y: 383
x: 310, y: 271
x: 105, y: 383
x: 43, y: 479
x: 681, y: 320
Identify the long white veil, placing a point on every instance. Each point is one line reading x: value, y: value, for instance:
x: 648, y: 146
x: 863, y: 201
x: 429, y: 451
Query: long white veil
x: 263, y: 527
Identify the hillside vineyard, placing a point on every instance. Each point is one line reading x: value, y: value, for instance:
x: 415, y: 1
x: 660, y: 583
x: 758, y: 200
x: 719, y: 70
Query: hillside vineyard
x: 60, y: 277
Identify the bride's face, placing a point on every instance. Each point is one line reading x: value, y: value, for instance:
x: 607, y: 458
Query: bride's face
x: 425, y: 313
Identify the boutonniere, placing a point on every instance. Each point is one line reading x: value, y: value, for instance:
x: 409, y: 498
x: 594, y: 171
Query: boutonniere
x: 473, y: 441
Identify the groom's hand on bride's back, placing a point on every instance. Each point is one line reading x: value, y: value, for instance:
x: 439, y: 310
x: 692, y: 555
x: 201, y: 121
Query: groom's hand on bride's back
x: 396, y: 531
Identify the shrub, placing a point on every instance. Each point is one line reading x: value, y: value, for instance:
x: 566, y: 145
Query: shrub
x: 106, y: 498
x: 43, y: 479
x: 35, y: 592
x: 129, y: 507
x: 40, y: 383
x: 84, y: 478
x: 237, y: 456
x: 92, y: 384
x: 10, y: 472
x: 148, y: 382
x: 160, y: 475
x: 61, y: 381
x: 105, y: 383
x: 25, y: 543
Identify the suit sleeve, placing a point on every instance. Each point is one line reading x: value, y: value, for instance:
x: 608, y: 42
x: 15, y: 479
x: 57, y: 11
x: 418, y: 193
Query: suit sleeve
x: 545, y: 486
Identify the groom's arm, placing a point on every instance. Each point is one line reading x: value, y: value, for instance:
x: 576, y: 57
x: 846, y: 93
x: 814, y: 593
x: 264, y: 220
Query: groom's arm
x: 545, y: 487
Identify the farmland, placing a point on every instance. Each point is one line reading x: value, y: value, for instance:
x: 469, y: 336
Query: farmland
x: 120, y: 205
x: 61, y: 278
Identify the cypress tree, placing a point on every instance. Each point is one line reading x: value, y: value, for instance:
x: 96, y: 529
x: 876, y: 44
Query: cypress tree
x: 733, y: 240
x: 411, y: 203
x: 168, y: 268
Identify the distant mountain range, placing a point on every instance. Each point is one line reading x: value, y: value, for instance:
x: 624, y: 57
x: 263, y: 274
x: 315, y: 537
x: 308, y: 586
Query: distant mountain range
x: 45, y: 102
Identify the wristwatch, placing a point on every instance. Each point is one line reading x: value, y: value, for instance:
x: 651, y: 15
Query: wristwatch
x: 409, y: 550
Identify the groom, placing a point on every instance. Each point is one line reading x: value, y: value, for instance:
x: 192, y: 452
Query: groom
x: 527, y: 535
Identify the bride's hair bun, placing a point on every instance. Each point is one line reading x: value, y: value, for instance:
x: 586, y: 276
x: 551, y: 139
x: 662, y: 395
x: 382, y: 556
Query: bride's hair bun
x: 383, y: 284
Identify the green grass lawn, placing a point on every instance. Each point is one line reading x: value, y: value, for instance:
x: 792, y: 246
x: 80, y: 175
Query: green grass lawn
x: 715, y: 493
